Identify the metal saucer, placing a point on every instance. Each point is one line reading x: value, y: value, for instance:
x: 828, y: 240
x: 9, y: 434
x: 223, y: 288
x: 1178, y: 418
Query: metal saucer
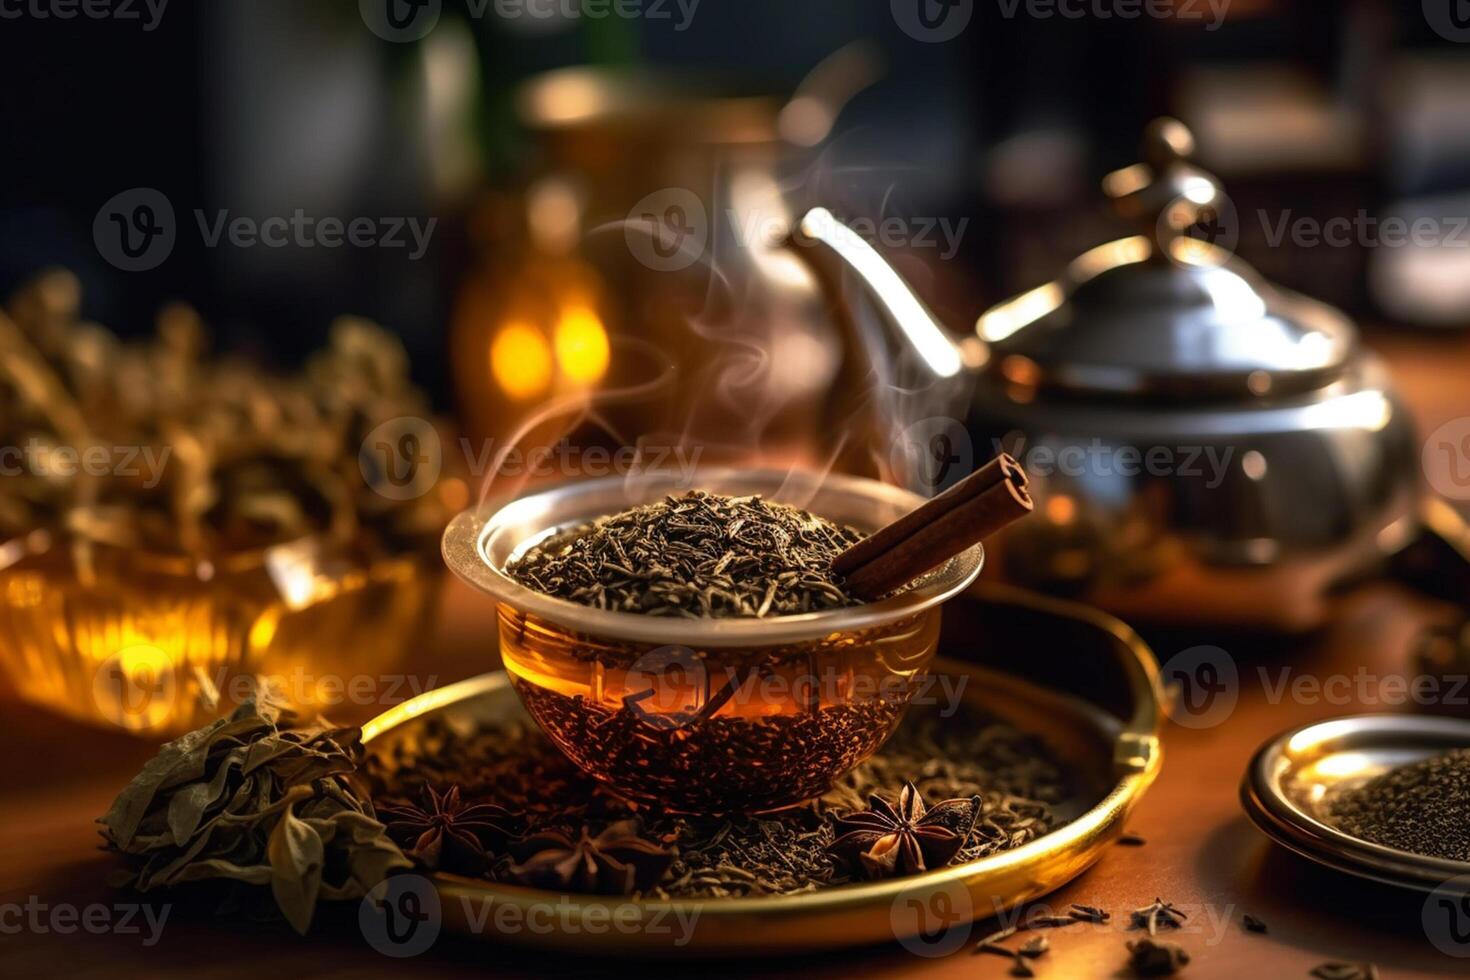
x: 1293, y: 779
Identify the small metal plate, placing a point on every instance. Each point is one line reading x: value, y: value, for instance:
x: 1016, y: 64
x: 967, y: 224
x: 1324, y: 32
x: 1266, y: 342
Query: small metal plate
x: 1093, y: 697
x: 1291, y: 783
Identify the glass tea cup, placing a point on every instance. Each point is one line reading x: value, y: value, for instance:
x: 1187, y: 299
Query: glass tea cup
x: 708, y: 715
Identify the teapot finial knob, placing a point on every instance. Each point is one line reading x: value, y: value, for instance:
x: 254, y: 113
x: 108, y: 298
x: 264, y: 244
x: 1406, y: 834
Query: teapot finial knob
x: 1165, y: 141
x: 1166, y: 193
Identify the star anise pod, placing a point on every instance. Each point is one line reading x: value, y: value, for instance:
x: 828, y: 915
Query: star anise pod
x: 446, y: 833
x: 909, y: 838
x: 616, y: 861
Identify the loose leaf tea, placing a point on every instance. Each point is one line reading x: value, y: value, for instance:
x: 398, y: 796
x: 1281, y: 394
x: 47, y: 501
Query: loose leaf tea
x: 1422, y: 807
x: 255, y: 799
x: 701, y: 555
x: 1008, y: 785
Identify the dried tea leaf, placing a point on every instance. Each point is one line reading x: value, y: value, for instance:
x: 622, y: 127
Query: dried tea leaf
x: 296, y: 854
x: 254, y: 800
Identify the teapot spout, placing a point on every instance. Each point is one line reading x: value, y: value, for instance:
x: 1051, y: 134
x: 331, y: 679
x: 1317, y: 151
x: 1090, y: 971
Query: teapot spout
x: 892, y: 325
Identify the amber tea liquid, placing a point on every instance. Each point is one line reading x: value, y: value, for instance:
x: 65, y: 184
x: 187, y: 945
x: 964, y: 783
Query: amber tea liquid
x: 718, y: 730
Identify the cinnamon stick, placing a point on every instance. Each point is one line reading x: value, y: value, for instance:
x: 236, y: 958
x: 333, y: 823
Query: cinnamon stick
x: 926, y: 537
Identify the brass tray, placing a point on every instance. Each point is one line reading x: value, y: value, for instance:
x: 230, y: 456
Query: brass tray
x: 1292, y: 780
x: 1076, y: 677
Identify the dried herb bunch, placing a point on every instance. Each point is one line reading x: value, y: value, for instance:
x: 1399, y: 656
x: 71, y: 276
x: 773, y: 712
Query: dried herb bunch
x: 1004, y: 789
x: 701, y: 555
x: 223, y: 457
x: 259, y: 799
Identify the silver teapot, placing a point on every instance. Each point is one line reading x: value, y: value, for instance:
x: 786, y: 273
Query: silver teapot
x: 1206, y: 448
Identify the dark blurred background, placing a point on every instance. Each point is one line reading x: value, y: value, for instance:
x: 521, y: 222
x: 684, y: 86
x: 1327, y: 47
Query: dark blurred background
x: 264, y: 107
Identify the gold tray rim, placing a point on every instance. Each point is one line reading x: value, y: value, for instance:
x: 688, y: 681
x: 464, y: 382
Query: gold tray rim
x: 857, y: 914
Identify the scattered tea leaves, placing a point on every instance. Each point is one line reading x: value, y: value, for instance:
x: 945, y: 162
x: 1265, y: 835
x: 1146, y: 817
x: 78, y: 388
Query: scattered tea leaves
x: 1153, y: 958
x: 1159, y: 915
x: 1252, y: 924
x: 1131, y: 840
x: 1088, y: 913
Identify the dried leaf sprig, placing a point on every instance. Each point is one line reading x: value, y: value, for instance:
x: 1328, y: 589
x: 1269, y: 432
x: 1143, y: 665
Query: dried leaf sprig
x: 257, y: 799
x: 220, y: 456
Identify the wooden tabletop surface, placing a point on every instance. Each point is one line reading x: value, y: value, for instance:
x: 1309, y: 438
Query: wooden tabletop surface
x: 1201, y: 852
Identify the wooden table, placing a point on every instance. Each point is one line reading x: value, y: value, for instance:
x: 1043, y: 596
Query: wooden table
x: 1201, y: 852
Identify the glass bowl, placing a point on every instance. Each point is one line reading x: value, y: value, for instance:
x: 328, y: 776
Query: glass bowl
x: 161, y: 644
x: 708, y: 715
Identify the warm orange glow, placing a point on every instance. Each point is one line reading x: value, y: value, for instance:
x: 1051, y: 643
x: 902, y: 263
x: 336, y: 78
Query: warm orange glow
x: 1061, y: 509
x: 581, y: 345
x: 520, y: 359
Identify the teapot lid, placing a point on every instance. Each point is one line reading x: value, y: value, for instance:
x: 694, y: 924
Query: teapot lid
x: 1165, y: 313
